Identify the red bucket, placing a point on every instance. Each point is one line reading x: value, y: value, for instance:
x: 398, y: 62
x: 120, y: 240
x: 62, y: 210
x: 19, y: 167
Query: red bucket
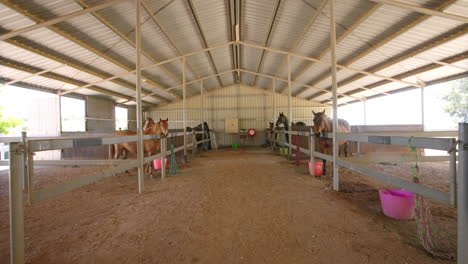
x: 157, y: 163
x: 318, y: 168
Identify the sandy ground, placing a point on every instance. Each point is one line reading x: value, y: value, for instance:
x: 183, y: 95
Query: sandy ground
x: 226, y: 206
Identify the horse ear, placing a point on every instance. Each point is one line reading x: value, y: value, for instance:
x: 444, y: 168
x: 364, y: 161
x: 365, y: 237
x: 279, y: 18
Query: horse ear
x: 167, y: 119
x: 313, y: 112
x: 160, y: 119
x: 323, y: 112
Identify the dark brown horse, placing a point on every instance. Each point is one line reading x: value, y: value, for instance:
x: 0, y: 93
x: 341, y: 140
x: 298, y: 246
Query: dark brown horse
x: 323, y: 124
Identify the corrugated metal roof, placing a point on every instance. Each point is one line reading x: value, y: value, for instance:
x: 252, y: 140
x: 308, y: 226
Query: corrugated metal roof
x: 179, y: 30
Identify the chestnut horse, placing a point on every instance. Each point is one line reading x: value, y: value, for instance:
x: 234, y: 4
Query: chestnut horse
x: 150, y: 146
x: 322, y: 123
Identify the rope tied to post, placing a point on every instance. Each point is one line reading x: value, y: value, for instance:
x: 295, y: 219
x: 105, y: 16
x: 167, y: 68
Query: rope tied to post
x: 174, y: 167
x: 429, y: 234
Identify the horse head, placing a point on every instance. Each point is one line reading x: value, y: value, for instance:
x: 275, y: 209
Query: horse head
x: 319, y: 122
x: 164, y: 126
x: 271, y: 125
x: 148, y: 123
x: 282, y: 119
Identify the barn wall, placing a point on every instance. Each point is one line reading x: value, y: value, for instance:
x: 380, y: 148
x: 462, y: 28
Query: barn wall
x: 99, y: 114
x: 252, y: 106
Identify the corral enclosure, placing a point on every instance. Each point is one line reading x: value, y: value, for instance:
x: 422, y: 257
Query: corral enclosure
x: 86, y: 79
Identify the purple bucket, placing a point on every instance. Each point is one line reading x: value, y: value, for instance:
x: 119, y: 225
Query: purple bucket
x: 396, y: 203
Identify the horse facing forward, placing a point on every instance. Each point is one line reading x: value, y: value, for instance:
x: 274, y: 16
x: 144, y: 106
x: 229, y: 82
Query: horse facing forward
x: 150, y: 146
x: 322, y: 123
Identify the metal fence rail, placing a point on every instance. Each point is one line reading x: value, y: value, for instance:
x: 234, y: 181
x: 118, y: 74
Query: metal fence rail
x: 422, y: 142
x: 22, y: 164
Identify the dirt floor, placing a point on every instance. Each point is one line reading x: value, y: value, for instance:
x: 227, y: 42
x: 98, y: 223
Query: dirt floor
x: 226, y: 206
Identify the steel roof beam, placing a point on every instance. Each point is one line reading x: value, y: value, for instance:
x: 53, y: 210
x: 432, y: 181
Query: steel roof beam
x: 268, y: 38
x: 327, y: 62
x: 460, y: 31
x: 46, y: 23
x: 33, y: 70
x: 21, y: 43
x: 303, y: 34
x: 297, y: 83
x: 125, y: 73
x: 348, y: 31
x: 423, y: 10
x: 432, y: 66
x: 125, y: 37
x: 382, y: 42
x: 165, y: 32
x: 197, y: 21
x: 80, y: 43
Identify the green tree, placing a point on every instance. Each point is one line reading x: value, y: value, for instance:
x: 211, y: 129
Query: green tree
x: 456, y: 102
x: 8, y: 122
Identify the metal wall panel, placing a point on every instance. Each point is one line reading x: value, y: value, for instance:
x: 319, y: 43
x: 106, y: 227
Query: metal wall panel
x: 252, y: 106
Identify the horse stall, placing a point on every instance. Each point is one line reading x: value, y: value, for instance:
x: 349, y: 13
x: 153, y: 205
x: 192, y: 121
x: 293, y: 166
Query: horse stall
x: 237, y: 131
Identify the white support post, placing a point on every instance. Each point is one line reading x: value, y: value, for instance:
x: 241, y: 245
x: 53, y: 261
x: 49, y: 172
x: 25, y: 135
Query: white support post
x: 24, y: 181
x: 453, y: 174
x: 312, y: 149
x: 289, y: 107
x: 16, y: 204
x: 139, y: 112
x: 422, y: 107
x: 163, y: 157
x: 202, y: 115
x: 336, y: 182
x: 184, y: 102
x: 274, y: 101
x: 29, y: 174
x: 462, y: 194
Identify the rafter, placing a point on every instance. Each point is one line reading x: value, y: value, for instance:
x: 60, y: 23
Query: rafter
x: 327, y: 62
x: 125, y: 37
x: 384, y: 41
x: 299, y: 40
x: 267, y: 40
x: 150, y: 12
x: 79, y: 42
x: 444, y: 38
x: 348, y: 31
x: 432, y: 66
x: 423, y: 10
x: 202, y: 34
x: 34, y: 70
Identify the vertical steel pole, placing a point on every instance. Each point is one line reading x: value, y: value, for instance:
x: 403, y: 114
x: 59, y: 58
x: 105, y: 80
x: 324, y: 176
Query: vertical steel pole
x: 163, y: 157
x: 312, y: 149
x: 289, y: 107
x: 453, y: 174
x: 422, y: 108
x: 202, y: 114
x: 16, y: 204
x: 139, y: 112
x: 336, y: 181
x: 462, y: 194
x: 184, y: 102
x: 30, y: 173
x: 274, y: 101
x: 24, y: 181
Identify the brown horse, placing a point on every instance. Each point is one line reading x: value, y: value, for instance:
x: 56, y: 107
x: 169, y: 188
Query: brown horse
x: 324, y: 124
x: 150, y: 146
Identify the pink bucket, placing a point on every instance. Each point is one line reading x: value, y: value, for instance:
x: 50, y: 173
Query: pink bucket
x: 157, y: 163
x: 317, y: 170
x: 397, y: 203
